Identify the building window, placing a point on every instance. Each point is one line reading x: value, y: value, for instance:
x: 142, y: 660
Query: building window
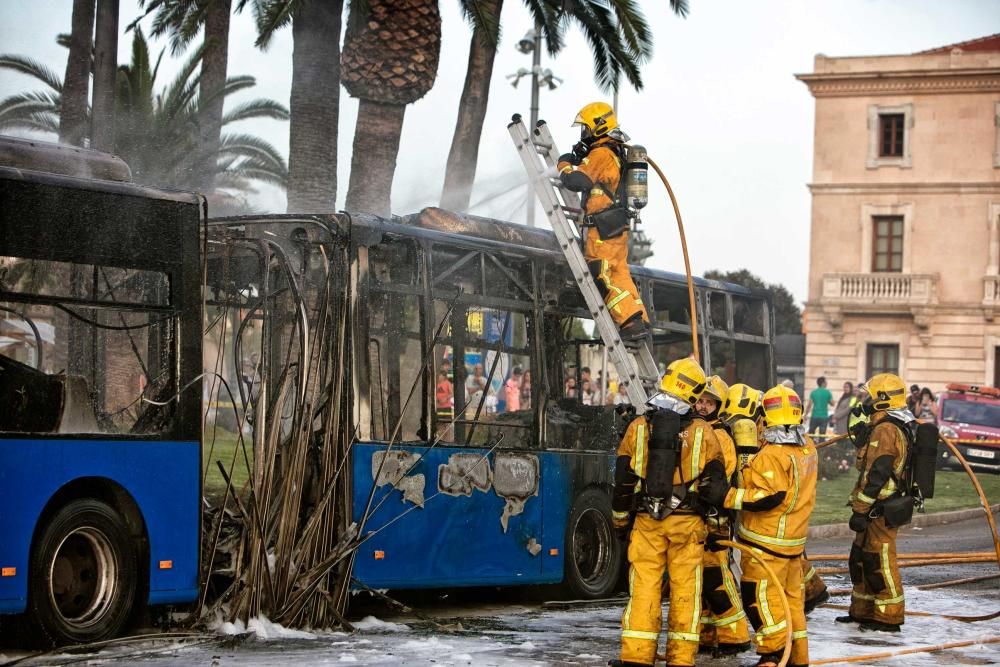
x: 883, y: 359
x: 888, y: 255
x: 890, y: 131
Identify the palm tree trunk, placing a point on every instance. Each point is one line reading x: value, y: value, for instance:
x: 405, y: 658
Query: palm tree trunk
x: 376, y: 145
x: 76, y: 84
x: 102, y: 131
x: 314, y: 107
x: 214, y: 64
x: 460, y: 172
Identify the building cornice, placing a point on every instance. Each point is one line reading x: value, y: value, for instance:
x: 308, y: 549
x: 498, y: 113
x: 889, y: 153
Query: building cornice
x: 913, y: 82
x: 984, y: 187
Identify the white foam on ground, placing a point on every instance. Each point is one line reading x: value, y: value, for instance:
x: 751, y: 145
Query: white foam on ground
x: 429, y: 644
x: 261, y: 627
x: 372, y: 624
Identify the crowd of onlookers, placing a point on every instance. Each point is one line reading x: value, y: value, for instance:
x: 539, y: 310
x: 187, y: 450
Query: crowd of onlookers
x: 920, y: 401
x: 514, y: 393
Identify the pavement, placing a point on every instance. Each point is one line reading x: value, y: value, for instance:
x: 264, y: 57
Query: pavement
x: 490, y: 627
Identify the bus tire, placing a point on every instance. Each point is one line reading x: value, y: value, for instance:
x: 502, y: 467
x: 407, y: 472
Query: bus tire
x: 83, y: 575
x: 593, y: 553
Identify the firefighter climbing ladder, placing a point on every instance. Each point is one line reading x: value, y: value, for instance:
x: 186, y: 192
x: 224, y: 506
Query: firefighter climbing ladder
x: 637, y: 370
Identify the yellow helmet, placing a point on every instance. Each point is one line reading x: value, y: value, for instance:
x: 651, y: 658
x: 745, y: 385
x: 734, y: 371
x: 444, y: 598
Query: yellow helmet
x: 717, y: 388
x: 684, y: 379
x: 782, y: 407
x: 887, y: 391
x: 598, y: 117
x: 742, y: 401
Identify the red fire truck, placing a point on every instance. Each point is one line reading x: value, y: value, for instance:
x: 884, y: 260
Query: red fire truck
x: 970, y: 415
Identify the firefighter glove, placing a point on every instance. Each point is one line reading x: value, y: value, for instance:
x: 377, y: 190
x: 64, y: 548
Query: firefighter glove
x: 570, y: 158
x: 858, y: 522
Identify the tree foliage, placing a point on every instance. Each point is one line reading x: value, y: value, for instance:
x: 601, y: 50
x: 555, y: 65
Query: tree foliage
x: 787, y: 314
x: 157, y: 132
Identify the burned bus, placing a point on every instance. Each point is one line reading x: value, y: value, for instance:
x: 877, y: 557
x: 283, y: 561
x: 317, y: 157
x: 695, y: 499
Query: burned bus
x: 480, y: 406
x: 100, y: 397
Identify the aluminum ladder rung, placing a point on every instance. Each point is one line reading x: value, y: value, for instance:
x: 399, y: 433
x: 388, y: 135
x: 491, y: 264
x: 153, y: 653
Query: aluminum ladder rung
x: 634, y: 362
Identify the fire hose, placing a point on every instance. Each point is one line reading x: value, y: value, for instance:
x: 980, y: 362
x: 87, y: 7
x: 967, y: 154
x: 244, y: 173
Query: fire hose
x: 687, y: 262
x: 979, y: 490
x: 904, y: 651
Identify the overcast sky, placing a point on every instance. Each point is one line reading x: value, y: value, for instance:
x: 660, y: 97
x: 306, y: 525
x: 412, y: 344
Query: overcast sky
x: 721, y: 112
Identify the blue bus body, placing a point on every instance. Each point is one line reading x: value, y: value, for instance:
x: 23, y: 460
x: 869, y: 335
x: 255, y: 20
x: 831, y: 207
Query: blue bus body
x: 100, y: 391
x: 162, y: 478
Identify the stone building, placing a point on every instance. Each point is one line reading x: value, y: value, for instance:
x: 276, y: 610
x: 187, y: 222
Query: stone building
x: 904, y: 248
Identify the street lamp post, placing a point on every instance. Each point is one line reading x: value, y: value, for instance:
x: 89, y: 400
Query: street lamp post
x: 532, y: 43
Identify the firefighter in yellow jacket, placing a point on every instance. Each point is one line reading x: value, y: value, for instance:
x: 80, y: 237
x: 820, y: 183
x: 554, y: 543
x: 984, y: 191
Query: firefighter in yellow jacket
x: 594, y: 168
x: 775, y: 502
x: 742, y: 410
x: 877, y: 600
x: 663, y: 458
x: 723, y: 621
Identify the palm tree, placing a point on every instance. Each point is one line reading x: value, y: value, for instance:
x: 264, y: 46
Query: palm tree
x: 315, y: 98
x: 182, y: 20
x: 102, y: 121
x: 76, y: 93
x: 158, y: 132
x: 389, y: 60
x: 619, y: 39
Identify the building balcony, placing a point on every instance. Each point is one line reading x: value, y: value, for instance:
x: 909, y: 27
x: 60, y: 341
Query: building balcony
x: 879, y: 294
x: 879, y: 291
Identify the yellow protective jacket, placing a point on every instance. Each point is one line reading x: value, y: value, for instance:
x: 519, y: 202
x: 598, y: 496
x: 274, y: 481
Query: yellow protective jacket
x: 602, y: 166
x: 880, y: 462
x: 777, y: 498
x: 699, y: 445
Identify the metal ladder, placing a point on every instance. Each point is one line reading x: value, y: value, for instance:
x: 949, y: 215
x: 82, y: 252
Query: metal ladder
x: 637, y: 369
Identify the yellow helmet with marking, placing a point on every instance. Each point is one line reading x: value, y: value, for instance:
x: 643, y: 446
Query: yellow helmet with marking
x: 782, y: 407
x: 742, y: 401
x: 717, y: 388
x: 684, y: 379
x: 598, y: 117
x: 887, y: 391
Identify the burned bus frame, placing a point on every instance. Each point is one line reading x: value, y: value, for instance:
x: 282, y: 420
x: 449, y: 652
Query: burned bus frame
x: 538, y: 511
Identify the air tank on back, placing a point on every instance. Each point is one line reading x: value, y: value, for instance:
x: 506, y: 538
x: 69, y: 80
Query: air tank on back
x: 636, y: 177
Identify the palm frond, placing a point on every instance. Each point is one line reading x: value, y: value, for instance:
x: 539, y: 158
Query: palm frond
x: 484, y: 20
x: 38, y: 122
x: 270, y: 17
x: 32, y: 68
x: 250, y: 146
x: 680, y: 7
x: 235, y: 84
x: 634, y: 29
x: 179, y: 88
x: 259, y: 108
x: 32, y: 102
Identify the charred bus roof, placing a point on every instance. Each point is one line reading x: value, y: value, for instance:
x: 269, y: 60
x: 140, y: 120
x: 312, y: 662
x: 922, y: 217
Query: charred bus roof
x: 437, y: 224
x: 62, y: 159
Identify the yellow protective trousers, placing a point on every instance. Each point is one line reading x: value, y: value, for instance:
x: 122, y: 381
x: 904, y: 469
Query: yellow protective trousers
x: 878, y: 589
x: 674, y: 545
x: 723, y: 619
x: 608, y: 263
x: 762, y: 603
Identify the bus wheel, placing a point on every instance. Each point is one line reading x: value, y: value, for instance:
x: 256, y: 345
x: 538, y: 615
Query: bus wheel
x: 84, y: 575
x: 593, y: 554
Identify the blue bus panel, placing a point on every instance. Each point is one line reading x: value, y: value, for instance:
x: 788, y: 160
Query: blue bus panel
x: 163, y: 478
x: 468, y: 521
